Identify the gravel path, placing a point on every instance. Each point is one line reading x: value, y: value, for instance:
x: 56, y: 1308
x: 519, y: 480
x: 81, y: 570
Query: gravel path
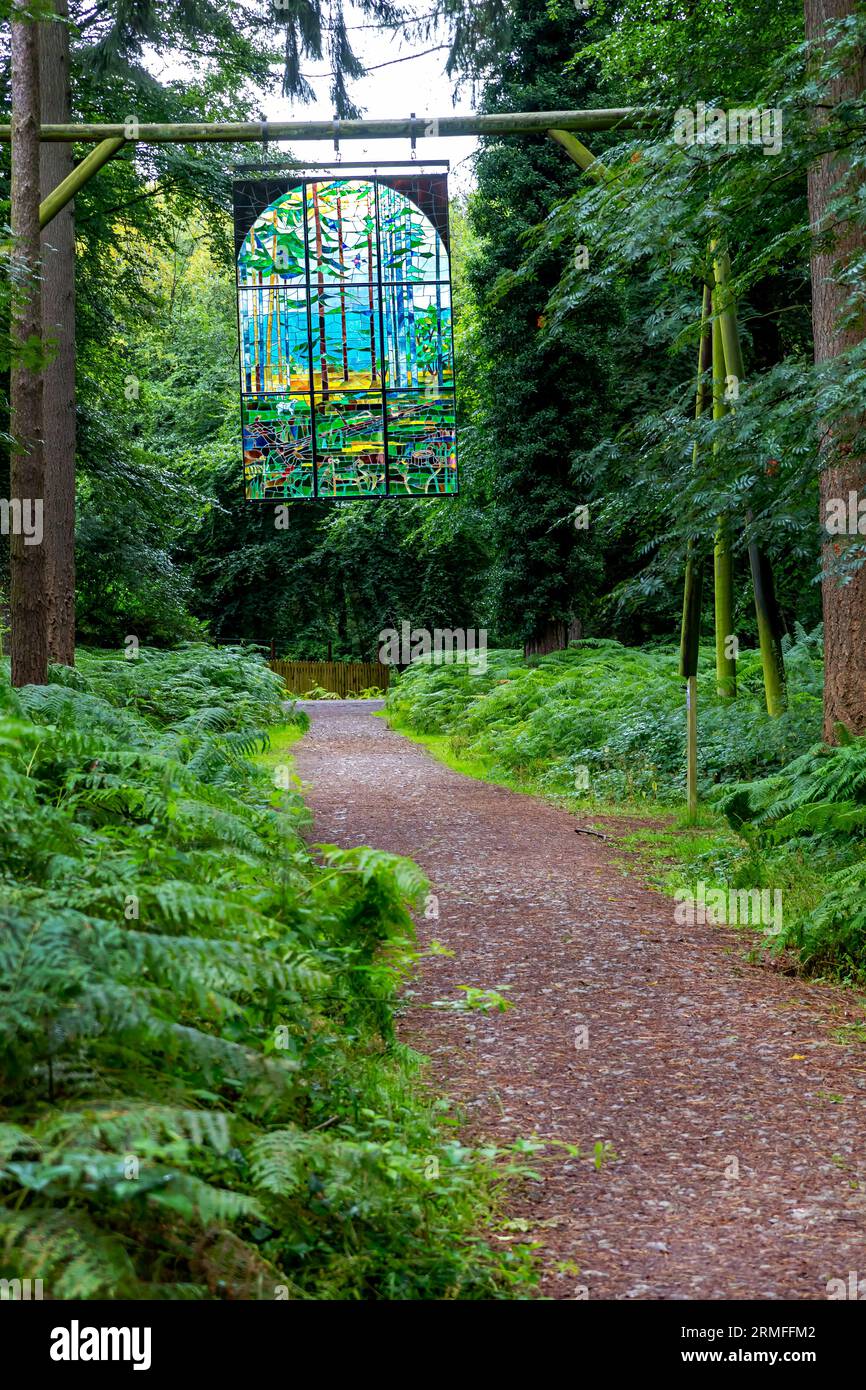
x: 736, y: 1115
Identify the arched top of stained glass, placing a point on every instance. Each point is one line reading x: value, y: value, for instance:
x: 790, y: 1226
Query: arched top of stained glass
x: 346, y: 232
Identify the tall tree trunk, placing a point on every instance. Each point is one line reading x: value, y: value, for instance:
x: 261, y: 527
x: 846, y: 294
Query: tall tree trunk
x: 27, y: 473
x: 551, y: 636
x: 844, y: 604
x: 58, y: 325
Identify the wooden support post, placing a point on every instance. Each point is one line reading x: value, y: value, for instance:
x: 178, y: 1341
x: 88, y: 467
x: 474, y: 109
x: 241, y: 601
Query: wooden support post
x: 580, y: 154
x: 81, y: 174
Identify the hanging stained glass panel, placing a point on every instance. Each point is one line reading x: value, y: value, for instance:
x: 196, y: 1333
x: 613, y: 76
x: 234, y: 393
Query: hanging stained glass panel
x: 346, y: 342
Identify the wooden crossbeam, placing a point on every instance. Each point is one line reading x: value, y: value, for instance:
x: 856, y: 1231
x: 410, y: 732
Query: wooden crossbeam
x: 437, y: 127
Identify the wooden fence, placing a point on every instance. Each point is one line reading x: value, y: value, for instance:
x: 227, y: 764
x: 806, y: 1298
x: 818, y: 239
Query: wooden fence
x: 343, y: 678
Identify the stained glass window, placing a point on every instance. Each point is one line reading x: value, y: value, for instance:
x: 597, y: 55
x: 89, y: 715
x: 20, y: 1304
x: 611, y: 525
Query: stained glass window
x: 346, y: 342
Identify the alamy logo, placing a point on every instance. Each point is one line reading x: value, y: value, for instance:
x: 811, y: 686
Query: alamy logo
x: 855, y: 1289
x: 76, y: 1343
x: 845, y: 516
x: 443, y: 644
x: 736, y: 907
x: 13, y: 1290
x: 22, y: 516
x: 741, y: 125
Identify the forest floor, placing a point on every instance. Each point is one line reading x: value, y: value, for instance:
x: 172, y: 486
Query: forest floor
x: 719, y: 1104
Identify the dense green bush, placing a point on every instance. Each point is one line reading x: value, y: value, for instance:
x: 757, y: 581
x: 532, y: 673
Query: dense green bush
x: 618, y: 712
x: 201, y: 1091
x: 815, y: 809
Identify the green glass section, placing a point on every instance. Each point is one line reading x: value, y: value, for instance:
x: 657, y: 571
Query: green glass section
x: 422, y: 445
x: 350, y: 444
x: 278, y: 447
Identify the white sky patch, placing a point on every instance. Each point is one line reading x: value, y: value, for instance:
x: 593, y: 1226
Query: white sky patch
x: 392, y: 93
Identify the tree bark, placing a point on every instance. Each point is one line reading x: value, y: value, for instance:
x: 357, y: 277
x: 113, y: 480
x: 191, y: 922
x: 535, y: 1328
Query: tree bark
x: 58, y: 326
x: 27, y: 472
x: 552, y: 636
x: 844, y: 604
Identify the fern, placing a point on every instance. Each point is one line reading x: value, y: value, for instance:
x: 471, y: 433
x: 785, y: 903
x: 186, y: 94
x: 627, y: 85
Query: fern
x: 181, y: 982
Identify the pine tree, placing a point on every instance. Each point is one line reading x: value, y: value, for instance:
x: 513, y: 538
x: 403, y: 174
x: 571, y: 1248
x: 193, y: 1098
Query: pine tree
x: 536, y: 399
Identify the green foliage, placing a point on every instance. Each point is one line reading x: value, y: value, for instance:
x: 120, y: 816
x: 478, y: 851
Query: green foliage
x: 529, y: 397
x: 202, y: 1095
x: 318, y: 692
x: 617, y: 712
x: 648, y: 226
x: 814, y: 810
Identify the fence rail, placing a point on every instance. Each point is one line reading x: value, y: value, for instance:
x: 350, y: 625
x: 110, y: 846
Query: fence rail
x: 343, y: 678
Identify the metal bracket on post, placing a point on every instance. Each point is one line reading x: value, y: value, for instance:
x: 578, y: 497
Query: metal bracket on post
x: 337, y: 154
x: 414, y: 137
x: 265, y: 138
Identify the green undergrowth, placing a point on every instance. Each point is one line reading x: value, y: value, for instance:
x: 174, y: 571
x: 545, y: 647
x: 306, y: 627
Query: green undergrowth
x: 600, y: 729
x: 201, y: 1091
x: 608, y: 720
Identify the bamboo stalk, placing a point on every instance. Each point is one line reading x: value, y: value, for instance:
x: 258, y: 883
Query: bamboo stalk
x: 374, y: 376
x: 503, y: 123
x: 767, y: 613
x: 723, y: 560
x: 692, y: 741
x: 691, y: 623
x: 342, y: 288
x: 690, y: 628
x: 769, y: 630
x: 320, y: 284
